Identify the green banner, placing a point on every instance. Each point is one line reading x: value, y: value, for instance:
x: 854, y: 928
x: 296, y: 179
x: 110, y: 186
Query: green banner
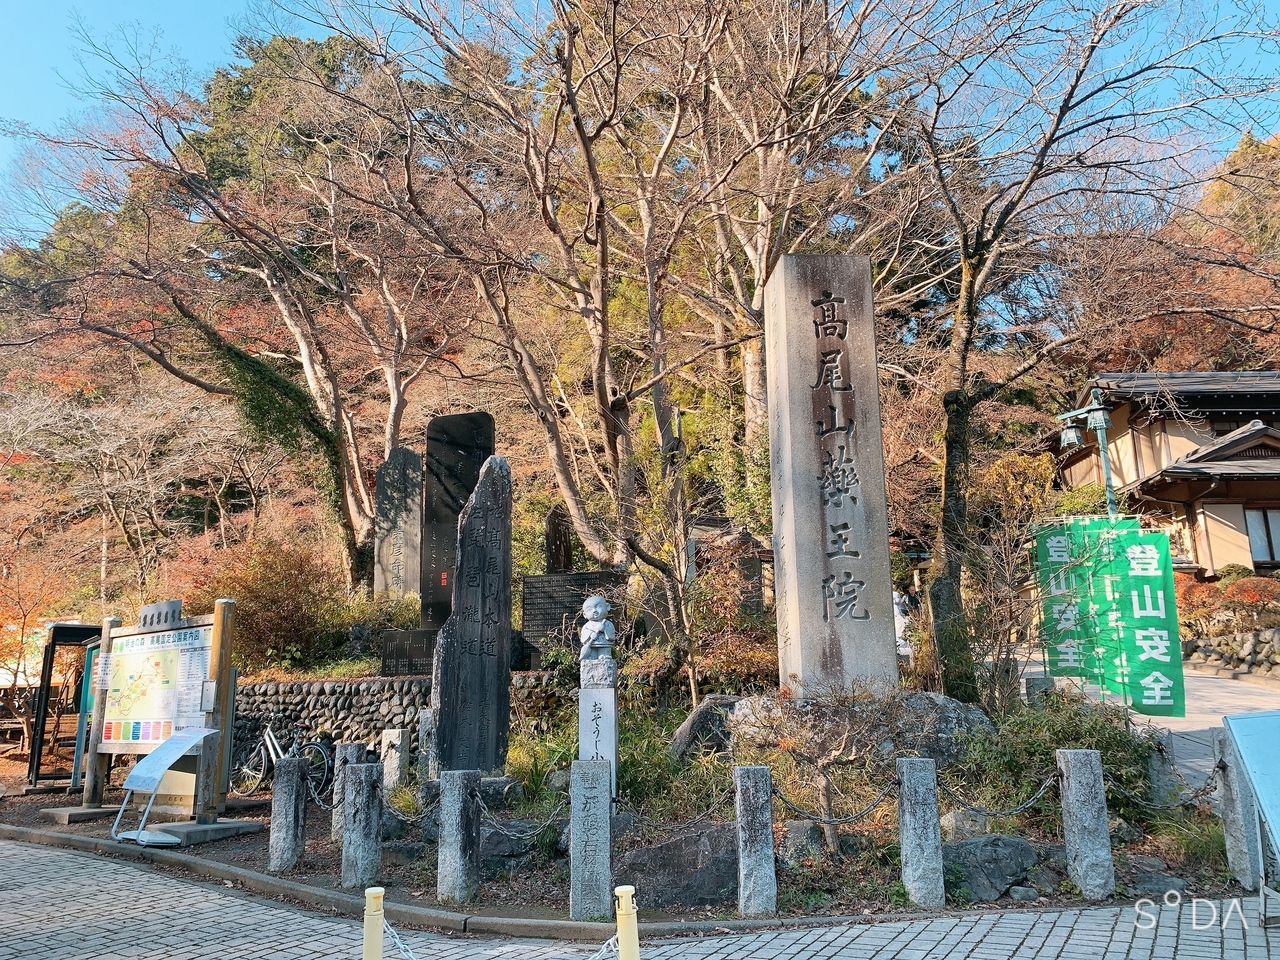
x: 1109, y: 614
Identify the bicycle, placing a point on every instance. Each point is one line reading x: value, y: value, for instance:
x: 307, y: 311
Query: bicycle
x: 263, y: 754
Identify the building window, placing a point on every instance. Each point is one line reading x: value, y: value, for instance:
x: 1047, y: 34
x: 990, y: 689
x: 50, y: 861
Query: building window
x: 1264, y: 536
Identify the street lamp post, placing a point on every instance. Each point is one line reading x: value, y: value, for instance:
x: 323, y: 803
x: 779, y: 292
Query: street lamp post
x: 1097, y: 418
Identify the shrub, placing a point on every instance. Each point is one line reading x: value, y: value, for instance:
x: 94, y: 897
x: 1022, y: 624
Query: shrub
x: 285, y: 594
x: 1231, y: 573
x: 1252, y: 593
x: 1011, y: 764
x: 1198, y: 603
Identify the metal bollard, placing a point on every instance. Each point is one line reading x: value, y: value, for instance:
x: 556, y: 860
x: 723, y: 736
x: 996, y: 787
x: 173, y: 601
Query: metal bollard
x: 628, y: 929
x: 373, y: 923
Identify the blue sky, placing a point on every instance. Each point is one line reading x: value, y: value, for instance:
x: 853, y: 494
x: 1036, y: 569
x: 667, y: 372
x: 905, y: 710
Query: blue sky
x: 38, y: 63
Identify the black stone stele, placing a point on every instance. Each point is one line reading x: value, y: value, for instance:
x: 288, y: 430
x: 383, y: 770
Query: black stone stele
x: 407, y: 652
x: 552, y: 603
x: 471, y: 682
x: 457, y: 447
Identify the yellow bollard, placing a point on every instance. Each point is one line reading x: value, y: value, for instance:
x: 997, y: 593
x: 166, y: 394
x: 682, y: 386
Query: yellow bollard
x: 373, y: 923
x: 624, y: 899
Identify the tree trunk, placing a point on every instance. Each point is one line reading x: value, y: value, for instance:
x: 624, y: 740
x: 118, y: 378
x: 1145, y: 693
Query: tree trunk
x: 755, y: 393
x: 950, y: 634
x: 826, y: 806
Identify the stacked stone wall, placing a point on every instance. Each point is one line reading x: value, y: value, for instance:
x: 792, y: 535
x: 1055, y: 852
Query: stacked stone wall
x: 357, y: 711
x: 1257, y: 652
x: 351, y: 711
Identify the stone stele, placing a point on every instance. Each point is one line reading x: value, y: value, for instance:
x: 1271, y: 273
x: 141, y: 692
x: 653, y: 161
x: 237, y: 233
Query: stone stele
x: 830, y: 516
x: 397, y: 531
x: 471, y: 680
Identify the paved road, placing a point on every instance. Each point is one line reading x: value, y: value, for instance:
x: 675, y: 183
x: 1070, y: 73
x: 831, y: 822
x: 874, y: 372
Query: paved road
x: 59, y: 905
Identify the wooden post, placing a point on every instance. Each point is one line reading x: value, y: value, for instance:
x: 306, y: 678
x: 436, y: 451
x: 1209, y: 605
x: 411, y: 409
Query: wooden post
x: 209, y: 778
x: 94, y: 765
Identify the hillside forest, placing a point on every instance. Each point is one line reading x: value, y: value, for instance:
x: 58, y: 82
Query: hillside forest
x: 224, y: 298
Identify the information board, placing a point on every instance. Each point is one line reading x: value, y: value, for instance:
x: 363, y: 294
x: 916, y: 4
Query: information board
x: 153, y: 683
x: 1109, y: 610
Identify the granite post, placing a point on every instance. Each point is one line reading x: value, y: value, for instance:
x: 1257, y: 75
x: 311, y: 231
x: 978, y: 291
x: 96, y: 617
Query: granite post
x: 1085, y: 825
x: 834, y: 598
x: 395, y: 758
x: 458, y: 864
x: 920, y: 833
x: 471, y: 681
x: 397, y: 524
x: 287, y: 839
x: 598, y: 714
x: 343, y: 754
x: 1239, y: 810
x: 361, y: 824
x: 590, y: 840
x: 753, y: 807
x: 428, y: 763
x: 1165, y: 786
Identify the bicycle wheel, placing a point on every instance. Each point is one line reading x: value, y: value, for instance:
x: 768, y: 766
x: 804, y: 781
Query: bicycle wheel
x: 248, y: 776
x: 318, y: 769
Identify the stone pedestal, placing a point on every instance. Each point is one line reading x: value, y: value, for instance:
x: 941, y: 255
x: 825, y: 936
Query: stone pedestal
x: 920, y: 833
x: 397, y: 530
x: 362, y: 824
x: 343, y: 754
x: 1085, y: 826
x: 471, y: 682
x: 598, y: 714
x: 288, y: 813
x: 590, y: 841
x: 458, y: 867
x: 830, y: 516
x: 753, y: 807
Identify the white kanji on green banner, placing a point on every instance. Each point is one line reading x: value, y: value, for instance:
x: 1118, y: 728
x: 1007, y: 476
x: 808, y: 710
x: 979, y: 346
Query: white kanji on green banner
x: 1109, y: 610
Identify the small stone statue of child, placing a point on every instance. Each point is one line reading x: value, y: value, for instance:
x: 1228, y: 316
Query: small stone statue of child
x: 597, y: 633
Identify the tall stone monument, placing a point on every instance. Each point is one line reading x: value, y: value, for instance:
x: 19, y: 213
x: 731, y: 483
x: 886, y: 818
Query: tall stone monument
x: 471, y: 679
x: 830, y: 517
x: 457, y: 447
x: 397, y: 529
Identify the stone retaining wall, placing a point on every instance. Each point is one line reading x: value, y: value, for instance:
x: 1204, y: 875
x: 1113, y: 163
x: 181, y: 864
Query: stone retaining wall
x: 1257, y: 652
x: 357, y: 711
x: 349, y: 711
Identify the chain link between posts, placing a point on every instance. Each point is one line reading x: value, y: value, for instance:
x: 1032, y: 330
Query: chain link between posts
x: 1190, y: 799
x: 644, y: 821
x: 803, y: 814
x: 608, y: 949
x: 519, y: 836
x: 414, y: 821
x: 405, y: 952
x: 1012, y: 811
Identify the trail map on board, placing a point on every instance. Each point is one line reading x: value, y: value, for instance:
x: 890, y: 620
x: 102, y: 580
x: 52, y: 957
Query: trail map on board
x: 153, y: 683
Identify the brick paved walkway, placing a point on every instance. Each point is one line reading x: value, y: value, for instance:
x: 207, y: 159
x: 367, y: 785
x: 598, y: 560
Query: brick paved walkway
x: 60, y: 905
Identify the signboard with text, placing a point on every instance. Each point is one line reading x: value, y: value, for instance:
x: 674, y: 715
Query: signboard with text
x: 153, y: 683
x: 1109, y: 613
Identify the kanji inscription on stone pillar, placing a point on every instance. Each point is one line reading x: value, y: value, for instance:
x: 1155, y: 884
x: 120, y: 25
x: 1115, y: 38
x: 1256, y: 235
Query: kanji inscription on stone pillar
x: 830, y: 515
